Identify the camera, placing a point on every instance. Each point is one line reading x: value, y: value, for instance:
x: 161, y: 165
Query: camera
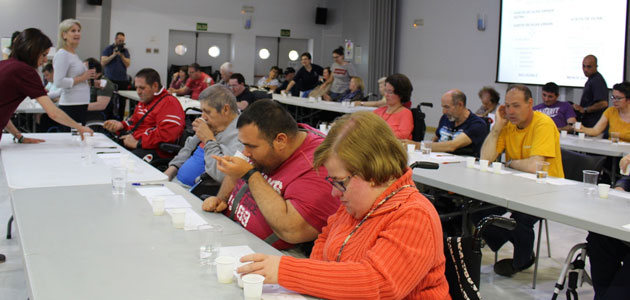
x: 119, y: 47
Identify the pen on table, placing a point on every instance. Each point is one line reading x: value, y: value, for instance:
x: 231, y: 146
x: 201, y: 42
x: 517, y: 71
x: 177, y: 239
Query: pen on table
x: 104, y: 152
x: 440, y: 155
x: 147, y: 184
x: 451, y: 162
x: 110, y: 147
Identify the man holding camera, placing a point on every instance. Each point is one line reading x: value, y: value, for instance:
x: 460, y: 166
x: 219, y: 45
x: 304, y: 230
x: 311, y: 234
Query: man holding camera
x: 115, y: 59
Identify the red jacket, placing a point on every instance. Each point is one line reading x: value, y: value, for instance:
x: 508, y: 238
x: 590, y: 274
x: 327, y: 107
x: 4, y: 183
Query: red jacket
x: 164, y: 123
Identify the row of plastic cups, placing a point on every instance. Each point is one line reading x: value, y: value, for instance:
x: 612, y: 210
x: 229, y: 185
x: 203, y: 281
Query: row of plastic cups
x: 252, y: 284
x: 483, y: 165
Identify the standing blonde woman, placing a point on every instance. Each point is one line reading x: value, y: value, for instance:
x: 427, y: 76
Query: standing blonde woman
x: 71, y: 75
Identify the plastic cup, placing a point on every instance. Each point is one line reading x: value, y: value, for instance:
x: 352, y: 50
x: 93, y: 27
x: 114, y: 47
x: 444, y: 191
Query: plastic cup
x: 322, y: 127
x: 426, y: 151
x: 581, y: 135
x: 119, y: 181
x: 225, y: 269
x: 483, y: 165
x: 603, y: 190
x: 211, y: 237
x: 542, y: 171
x: 614, y: 138
x: 411, y: 147
x: 158, y: 205
x: 577, y: 125
x: 563, y: 133
x: 589, y: 178
x: 178, y: 217
x: 253, y: 286
x: 496, y: 167
x: 470, y: 162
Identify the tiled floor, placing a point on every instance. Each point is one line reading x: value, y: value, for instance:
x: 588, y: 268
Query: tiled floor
x: 13, y: 283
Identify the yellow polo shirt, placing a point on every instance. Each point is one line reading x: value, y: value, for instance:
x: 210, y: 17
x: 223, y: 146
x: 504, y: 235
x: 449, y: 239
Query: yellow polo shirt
x: 540, y: 138
x: 616, y: 124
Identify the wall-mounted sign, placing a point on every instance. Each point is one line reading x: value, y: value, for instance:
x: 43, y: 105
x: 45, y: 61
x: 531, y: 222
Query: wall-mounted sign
x: 285, y: 32
x: 202, y: 26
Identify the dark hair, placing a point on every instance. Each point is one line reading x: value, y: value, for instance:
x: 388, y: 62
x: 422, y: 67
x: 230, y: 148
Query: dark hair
x: 551, y: 87
x: 13, y: 36
x: 519, y: 87
x: 151, y: 76
x: 327, y: 68
x: 119, y: 33
x: 29, y: 45
x: 270, y: 118
x: 458, y: 96
x: 48, y: 68
x: 277, y: 69
x: 338, y: 51
x: 239, y: 77
x: 623, y: 88
x: 308, y: 55
x: 402, y: 86
x: 95, y: 63
x: 494, y: 95
x: 289, y: 70
x: 195, y: 66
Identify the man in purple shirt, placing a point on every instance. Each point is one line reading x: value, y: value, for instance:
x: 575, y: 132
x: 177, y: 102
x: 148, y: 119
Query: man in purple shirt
x: 561, y: 112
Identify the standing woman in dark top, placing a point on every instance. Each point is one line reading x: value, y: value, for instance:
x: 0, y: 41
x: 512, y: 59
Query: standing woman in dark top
x: 19, y: 79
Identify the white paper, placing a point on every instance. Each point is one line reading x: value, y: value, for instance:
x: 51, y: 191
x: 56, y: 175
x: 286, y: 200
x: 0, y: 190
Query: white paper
x: 171, y: 201
x: 490, y: 170
x: 236, y: 252
x: 276, y: 292
x: 620, y: 194
x: 627, y: 226
x: 150, y: 191
x: 550, y: 180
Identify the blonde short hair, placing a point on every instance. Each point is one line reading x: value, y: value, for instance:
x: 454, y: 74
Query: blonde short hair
x: 359, y: 82
x: 366, y: 145
x: 64, y: 26
x: 381, y: 80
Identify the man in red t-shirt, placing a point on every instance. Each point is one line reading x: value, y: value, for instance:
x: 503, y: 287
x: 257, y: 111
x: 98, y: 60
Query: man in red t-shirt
x: 279, y: 197
x: 158, y: 118
x: 196, y: 83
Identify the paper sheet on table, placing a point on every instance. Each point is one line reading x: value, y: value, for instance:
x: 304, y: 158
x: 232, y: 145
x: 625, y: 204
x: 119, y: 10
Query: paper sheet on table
x: 276, y: 292
x: 193, y: 220
x: 620, y: 194
x: 436, y: 157
x: 150, y: 191
x: 627, y: 226
x: 490, y: 170
x: 237, y: 252
x: 171, y: 201
x: 110, y: 159
x: 550, y: 180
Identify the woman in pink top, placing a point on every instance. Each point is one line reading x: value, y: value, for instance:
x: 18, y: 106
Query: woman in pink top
x: 398, y: 90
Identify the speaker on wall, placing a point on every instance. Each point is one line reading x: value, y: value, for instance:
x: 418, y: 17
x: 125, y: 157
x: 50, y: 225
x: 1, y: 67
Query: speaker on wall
x: 321, y: 15
x: 95, y: 2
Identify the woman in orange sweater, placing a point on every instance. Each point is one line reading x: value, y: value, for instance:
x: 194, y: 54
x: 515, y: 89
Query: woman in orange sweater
x: 398, y: 90
x: 385, y: 242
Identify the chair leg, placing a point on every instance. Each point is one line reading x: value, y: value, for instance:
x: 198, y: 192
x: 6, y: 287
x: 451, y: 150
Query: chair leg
x: 536, y: 256
x: 9, y: 227
x: 548, y: 241
x: 496, y: 256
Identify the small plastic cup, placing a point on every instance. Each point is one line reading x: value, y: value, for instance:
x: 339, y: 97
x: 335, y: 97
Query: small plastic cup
x: 426, y: 151
x: 178, y: 217
x: 603, y: 190
x: 322, y: 127
x: 158, y: 205
x: 211, y: 238
x: 496, y: 167
x: 563, y: 133
x: 253, y: 286
x: 119, y: 181
x: 577, y: 125
x: 411, y: 147
x: 225, y: 269
x: 589, y: 178
x: 483, y: 165
x: 581, y: 135
x: 542, y: 171
x: 470, y: 162
x: 614, y: 138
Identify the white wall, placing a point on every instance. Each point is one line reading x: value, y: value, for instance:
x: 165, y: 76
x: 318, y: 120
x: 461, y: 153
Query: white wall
x: 356, y: 27
x: 449, y: 52
x: 17, y: 15
x: 146, y: 24
x: 90, y: 18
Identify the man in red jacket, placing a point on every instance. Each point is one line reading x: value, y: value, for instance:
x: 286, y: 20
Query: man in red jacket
x: 158, y: 118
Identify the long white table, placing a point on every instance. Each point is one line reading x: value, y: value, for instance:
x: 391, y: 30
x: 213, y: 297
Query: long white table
x: 594, y: 146
x: 566, y: 204
x: 320, y: 105
x: 185, y: 102
x: 80, y: 243
x: 57, y: 162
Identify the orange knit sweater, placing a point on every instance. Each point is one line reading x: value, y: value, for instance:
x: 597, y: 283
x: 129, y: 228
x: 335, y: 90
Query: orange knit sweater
x: 396, y: 254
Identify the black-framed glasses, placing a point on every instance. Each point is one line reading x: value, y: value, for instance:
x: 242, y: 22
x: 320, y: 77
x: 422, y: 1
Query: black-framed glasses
x: 339, y: 184
x: 613, y: 98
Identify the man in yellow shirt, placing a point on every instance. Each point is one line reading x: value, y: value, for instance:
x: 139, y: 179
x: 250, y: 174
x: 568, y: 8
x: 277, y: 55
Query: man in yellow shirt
x: 527, y: 137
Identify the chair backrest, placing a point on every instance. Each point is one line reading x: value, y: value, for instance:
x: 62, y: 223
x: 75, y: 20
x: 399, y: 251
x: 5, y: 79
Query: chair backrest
x: 261, y: 95
x: 419, y: 126
x: 573, y: 163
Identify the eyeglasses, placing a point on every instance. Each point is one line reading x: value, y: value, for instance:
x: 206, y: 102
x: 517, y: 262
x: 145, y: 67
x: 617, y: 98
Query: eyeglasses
x: 336, y: 56
x: 613, y: 98
x: 339, y: 184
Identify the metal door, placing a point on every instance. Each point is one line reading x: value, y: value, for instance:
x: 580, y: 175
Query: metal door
x: 217, y: 41
x: 286, y: 45
x: 262, y: 66
x: 181, y: 47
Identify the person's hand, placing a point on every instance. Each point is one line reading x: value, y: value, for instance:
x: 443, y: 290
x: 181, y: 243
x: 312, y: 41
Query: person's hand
x: 202, y: 130
x: 578, y: 108
x: 213, y: 204
x: 501, y: 116
x: 262, y: 264
x: 129, y: 141
x: 581, y: 129
x: 326, y: 97
x: 623, y: 163
x: 170, y: 172
x: 232, y: 166
x: 113, y: 125
x: 83, y: 130
x: 32, y: 141
x: 357, y: 103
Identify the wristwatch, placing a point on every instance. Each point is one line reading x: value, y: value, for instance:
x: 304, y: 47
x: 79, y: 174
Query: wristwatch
x: 249, y: 174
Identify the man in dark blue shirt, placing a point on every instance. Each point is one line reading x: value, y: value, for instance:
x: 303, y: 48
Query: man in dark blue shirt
x: 307, y: 77
x: 460, y: 131
x: 115, y: 59
x: 595, y: 95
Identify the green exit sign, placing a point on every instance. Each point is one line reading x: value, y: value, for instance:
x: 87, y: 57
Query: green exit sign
x: 202, y: 26
x: 285, y: 32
